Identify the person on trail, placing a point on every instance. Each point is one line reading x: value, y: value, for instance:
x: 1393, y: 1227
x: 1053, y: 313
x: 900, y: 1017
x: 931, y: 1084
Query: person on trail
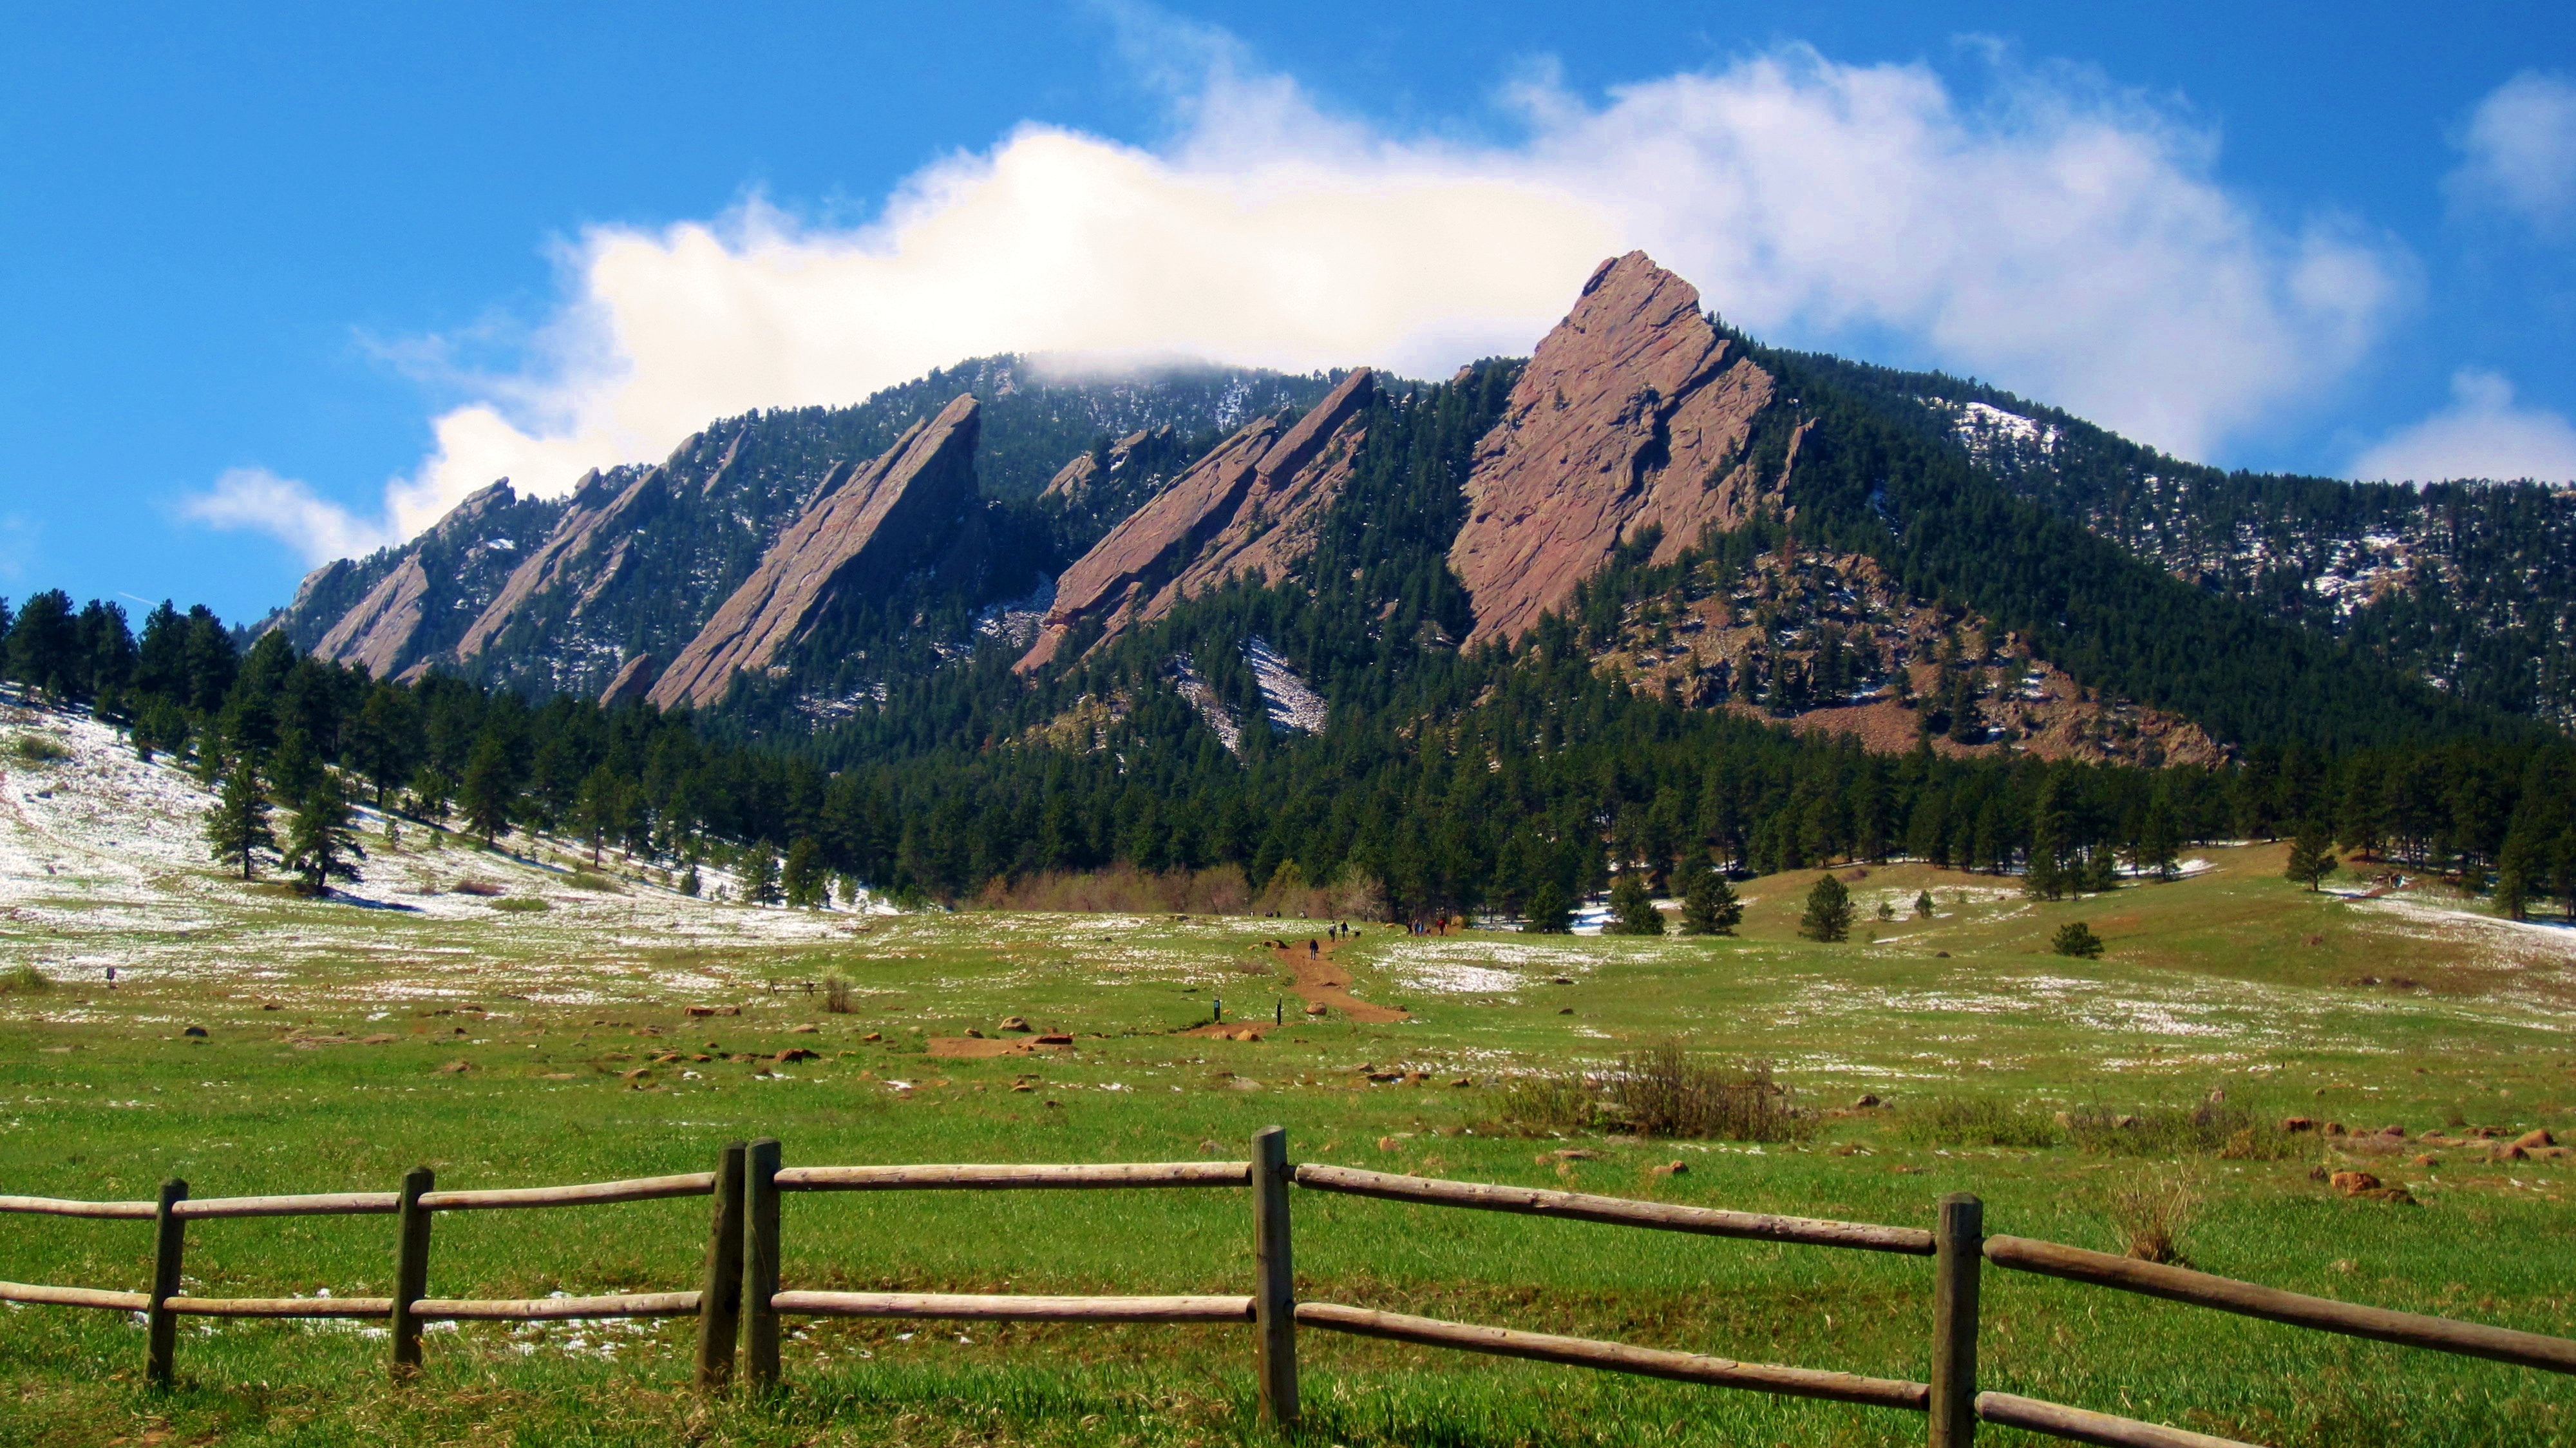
x: 1220, y: 1009
x: 1311, y: 950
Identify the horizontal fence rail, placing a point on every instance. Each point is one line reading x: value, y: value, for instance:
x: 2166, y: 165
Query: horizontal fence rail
x: 1618, y: 1211
x: 996, y: 1178
x: 1005, y: 1308
x: 2323, y: 1314
x: 743, y: 1299
x: 1616, y: 1357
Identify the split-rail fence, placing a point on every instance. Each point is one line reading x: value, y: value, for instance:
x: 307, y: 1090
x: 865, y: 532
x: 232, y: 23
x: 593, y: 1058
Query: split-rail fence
x: 741, y: 1302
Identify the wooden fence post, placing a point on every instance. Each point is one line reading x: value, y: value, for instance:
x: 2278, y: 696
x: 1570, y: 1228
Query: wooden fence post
x: 411, y: 1268
x: 169, y: 1241
x: 760, y: 1261
x: 720, y: 1299
x: 1958, y: 1253
x: 1274, y: 1300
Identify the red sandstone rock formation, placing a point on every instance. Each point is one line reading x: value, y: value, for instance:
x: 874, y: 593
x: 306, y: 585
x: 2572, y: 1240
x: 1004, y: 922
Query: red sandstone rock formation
x: 1249, y: 507
x: 570, y: 554
x: 632, y: 682
x: 377, y: 632
x: 1633, y: 412
x: 862, y: 521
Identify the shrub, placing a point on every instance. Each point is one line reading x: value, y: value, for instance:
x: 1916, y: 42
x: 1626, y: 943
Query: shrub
x: 2212, y: 1128
x: 2077, y: 939
x: 1976, y: 1121
x: 2151, y: 1213
x: 836, y: 995
x: 25, y: 980
x: 1552, y: 1102
x: 520, y: 903
x: 38, y: 749
x: 1663, y: 1091
x: 591, y: 880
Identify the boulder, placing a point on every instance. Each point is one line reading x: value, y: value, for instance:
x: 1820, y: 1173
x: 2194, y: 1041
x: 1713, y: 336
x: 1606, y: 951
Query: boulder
x: 2298, y: 1123
x: 2538, y: 1136
x: 866, y: 526
x: 1633, y: 413
x: 1670, y: 1168
x: 2353, y: 1183
x: 1014, y: 1023
x: 796, y: 1053
x: 197, y: 1031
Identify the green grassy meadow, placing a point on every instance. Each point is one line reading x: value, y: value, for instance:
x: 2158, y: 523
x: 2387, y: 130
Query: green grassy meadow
x: 506, y: 1046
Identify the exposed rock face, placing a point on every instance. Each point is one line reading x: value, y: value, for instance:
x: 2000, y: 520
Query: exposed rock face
x: 375, y: 634
x: 1633, y: 412
x: 1250, y: 507
x: 595, y: 511
x: 381, y: 630
x: 863, y: 521
x: 632, y: 682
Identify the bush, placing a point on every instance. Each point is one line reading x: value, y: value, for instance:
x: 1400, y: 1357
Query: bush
x: 1976, y: 1121
x: 38, y: 749
x: 836, y: 995
x: 25, y: 980
x: 2212, y: 1128
x: 2151, y: 1214
x: 1663, y: 1091
x: 520, y: 903
x: 1548, y: 1103
x: 593, y: 881
x: 2077, y: 939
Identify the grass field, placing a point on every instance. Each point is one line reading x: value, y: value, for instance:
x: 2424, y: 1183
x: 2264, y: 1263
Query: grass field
x: 347, y: 1041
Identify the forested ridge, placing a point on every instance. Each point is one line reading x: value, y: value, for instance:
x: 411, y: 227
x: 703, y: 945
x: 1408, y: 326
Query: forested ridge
x: 1444, y: 780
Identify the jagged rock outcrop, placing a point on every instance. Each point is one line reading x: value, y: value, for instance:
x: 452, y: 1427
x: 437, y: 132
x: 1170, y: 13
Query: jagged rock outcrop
x: 1249, y: 507
x: 866, y: 520
x: 632, y: 682
x: 595, y: 511
x: 1633, y: 413
x: 381, y: 630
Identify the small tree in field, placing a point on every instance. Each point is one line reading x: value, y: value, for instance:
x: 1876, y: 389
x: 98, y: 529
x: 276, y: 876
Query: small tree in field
x: 1549, y: 914
x: 1632, y: 906
x: 1829, y: 911
x: 1709, y: 906
x: 2312, y: 855
x: 321, y: 846
x: 237, y: 829
x: 807, y: 881
x: 760, y: 874
x: 1923, y: 905
x: 2077, y: 939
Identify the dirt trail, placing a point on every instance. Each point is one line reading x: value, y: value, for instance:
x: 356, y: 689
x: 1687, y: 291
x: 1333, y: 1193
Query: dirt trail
x: 1321, y: 982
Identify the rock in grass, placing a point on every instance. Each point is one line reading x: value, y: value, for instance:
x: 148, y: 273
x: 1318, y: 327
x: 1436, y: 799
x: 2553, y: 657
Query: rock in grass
x: 2353, y: 1183
x: 1014, y: 1023
x: 198, y: 1031
x: 2537, y: 1136
x: 1670, y: 1168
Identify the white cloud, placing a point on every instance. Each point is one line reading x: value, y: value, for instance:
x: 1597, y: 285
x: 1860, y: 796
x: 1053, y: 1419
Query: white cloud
x: 2480, y: 435
x: 257, y: 499
x: 2520, y: 147
x: 2065, y: 241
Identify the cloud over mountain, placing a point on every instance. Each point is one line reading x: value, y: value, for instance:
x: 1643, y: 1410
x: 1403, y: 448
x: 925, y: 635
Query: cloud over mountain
x: 2057, y: 236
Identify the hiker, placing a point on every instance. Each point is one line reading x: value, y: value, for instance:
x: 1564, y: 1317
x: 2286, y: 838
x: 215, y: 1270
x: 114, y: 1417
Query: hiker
x: 1311, y: 949
x: 1220, y: 1009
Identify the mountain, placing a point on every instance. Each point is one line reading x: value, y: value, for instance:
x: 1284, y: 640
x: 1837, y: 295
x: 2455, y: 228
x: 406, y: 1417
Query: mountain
x: 566, y: 595
x: 1901, y: 557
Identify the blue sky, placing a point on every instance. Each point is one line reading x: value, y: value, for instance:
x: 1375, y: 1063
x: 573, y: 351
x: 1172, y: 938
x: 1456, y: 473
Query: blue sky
x: 283, y: 284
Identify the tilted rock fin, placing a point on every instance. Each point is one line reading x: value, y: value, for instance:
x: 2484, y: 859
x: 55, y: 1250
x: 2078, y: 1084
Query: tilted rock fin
x: 872, y: 522
x: 1630, y: 414
x: 1249, y: 507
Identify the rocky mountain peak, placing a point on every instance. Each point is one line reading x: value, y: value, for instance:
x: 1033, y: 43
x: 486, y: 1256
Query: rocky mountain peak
x: 865, y: 525
x: 1633, y: 413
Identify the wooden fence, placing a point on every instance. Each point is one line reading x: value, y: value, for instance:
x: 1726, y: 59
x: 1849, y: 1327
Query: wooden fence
x: 740, y: 1302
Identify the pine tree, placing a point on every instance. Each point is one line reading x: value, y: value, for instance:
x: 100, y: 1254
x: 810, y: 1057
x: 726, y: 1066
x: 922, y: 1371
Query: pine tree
x: 293, y: 769
x: 1709, y: 906
x: 807, y: 882
x: 490, y: 793
x: 1632, y: 906
x: 1548, y: 911
x: 596, y: 808
x: 321, y: 846
x: 1829, y: 911
x: 2154, y: 855
x: 2312, y: 855
x: 237, y: 828
x: 2077, y: 939
x: 2517, y: 871
x: 433, y: 794
x: 760, y: 874
x: 2047, y: 877
x: 1923, y: 905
